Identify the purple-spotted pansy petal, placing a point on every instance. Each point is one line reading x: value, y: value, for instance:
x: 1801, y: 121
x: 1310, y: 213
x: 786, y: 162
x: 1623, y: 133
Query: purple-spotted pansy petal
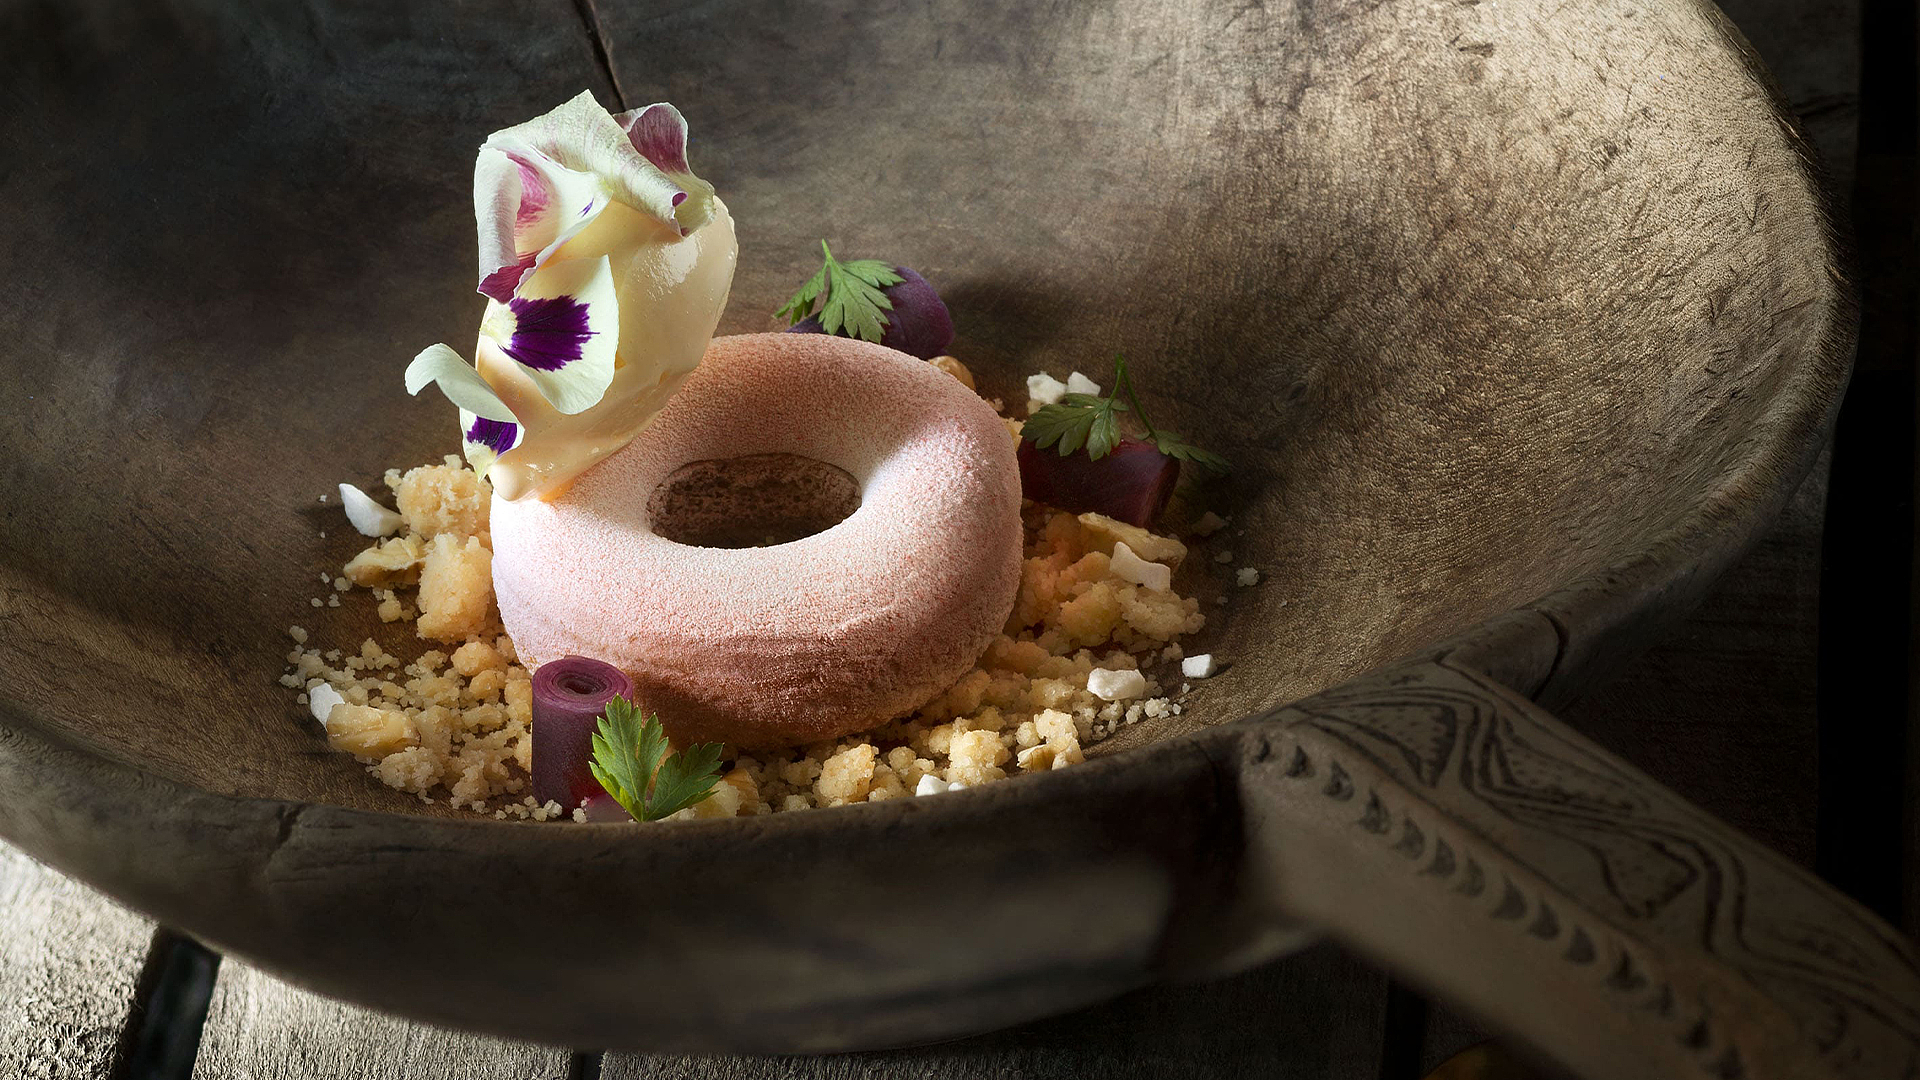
x: 458, y: 380
x: 484, y: 440
x: 498, y: 194
x: 659, y: 133
x: 585, y: 138
x: 526, y: 205
x: 562, y: 329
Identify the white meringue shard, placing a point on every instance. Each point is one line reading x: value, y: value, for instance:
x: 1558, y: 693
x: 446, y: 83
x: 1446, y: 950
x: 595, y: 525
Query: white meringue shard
x: 321, y: 699
x: 369, y: 518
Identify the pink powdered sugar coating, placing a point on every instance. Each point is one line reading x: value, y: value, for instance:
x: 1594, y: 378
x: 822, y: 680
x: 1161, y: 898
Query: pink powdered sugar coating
x: 826, y: 636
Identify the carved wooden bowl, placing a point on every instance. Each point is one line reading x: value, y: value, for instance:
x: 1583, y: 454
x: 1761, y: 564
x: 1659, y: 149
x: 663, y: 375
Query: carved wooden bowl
x: 1519, y: 323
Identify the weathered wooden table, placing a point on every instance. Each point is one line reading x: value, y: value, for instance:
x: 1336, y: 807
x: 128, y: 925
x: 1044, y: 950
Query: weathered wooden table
x: 1726, y: 711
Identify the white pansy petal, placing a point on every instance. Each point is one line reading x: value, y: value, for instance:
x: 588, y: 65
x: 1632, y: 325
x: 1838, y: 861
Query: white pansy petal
x: 458, y: 380
x: 525, y: 205
x: 483, y: 440
x: 583, y: 137
x: 564, y: 330
x: 498, y: 196
x: 659, y: 133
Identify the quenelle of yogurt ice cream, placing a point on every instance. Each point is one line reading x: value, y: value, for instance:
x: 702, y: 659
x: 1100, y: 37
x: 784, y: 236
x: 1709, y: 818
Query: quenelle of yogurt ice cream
x: 606, y: 264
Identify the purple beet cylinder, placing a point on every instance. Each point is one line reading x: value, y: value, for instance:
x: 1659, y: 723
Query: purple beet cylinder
x: 569, y: 695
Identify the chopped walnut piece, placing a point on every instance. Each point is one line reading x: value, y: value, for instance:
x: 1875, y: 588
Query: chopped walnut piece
x: 368, y: 732
x: 1104, y: 532
x: 954, y: 368
x: 393, y: 561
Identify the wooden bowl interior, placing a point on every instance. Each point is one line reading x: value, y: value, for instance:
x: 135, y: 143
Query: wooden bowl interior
x: 1472, y: 320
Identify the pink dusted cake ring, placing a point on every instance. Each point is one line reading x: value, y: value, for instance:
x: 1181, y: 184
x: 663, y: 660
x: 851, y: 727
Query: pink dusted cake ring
x: 827, y: 635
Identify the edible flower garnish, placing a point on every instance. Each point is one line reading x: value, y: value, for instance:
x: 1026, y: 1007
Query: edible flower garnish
x: 539, y: 184
x: 483, y: 440
x: 561, y: 331
x: 1093, y: 422
x: 605, y: 262
x: 631, y: 761
x: 872, y: 301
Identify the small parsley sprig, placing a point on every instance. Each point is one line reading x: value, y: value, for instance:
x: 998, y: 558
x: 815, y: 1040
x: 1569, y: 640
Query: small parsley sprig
x: 1078, y: 420
x: 631, y: 761
x: 853, y: 299
x: 1093, y: 422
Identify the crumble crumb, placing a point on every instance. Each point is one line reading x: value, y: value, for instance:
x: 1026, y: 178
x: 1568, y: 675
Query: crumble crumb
x: 456, y: 588
x: 447, y: 498
x: 1209, y: 524
x: 955, y: 368
x: 846, y: 776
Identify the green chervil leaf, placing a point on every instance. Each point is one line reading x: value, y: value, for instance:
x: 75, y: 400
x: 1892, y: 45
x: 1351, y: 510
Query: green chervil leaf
x: 684, y: 779
x: 853, y: 303
x: 1170, y: 445
x: 1078, y: 420
x: 1090, y: 421
x: 801, y: 305
x: 631, y: 761
x: 623, y: 757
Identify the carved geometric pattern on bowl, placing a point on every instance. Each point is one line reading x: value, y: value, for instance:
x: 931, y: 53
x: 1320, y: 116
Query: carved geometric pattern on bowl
x: 1647, y: 867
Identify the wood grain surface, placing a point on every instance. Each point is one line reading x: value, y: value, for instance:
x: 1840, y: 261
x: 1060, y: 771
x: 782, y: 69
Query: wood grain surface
x: 1724, y: 708
x: 70, y: 967
x: 259, y: 1028
x: 1317, y: 1015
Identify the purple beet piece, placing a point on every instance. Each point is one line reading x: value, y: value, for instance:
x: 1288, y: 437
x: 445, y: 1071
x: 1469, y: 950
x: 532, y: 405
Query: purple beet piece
x: 1132, y: 483
x: 568, y: 696
x: 918, y: 325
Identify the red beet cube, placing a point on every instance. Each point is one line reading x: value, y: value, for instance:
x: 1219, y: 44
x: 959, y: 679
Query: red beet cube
x: 1132, y: 483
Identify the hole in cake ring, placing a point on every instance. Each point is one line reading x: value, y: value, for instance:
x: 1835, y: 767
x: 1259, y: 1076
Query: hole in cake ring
x: 823, y: 635
x: 757, y: 500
